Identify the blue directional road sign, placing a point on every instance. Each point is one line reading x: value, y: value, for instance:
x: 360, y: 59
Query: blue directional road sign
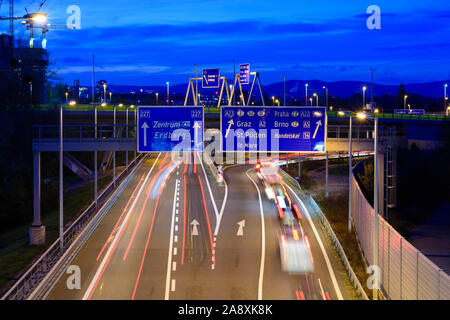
x: 273, y: 129
x: 211, y: 78
x: 164, y: 129
x: 244, y: 73
x: 420, y: 112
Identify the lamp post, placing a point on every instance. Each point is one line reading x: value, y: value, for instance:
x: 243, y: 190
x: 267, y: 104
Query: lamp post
x: 362, y: 116
x: 326, y: 89
x: 95, y: 159
x: 445, y: 99
x: 364, y: 97
x: 277, y: 102
x: 157, y: 94
x: 284, y: 90
x: 350, y: 173
x: 104, y: 90
x: 67, y: 96
x: 310, y: 100
x: 110, y: 97
x: 168, y: 92
x: 136, y: 128
x: 273, y: 101
x: 61, y: 203
x: 404, y: 101
x: 306, y: 99
x: 114, y: 152
x: 317, y: 99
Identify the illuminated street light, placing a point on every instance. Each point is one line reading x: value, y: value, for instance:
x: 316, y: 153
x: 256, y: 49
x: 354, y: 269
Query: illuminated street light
x: 404, y: 101
x: 364, y: 97
x: 317, y: 99
x: 326, y: 94
x: 67, y: 96
x: 310, y: 100
x: 273, y: 100
x: 72, y: 103
x: 168, y: 92
x: 39, y: 18
x: 306, y: 99
x: 104, y: 89
x: 157, y: 95
x: 445, y: 99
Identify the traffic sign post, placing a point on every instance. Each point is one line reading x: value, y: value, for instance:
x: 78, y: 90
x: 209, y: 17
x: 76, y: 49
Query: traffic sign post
x: 165, y: 129
x: 269, y: 129
x: 211, y: 78
x: 244, y: 73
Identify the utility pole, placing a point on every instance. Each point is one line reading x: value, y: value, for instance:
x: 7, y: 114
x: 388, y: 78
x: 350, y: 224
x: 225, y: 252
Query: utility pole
x: 61, y: 203
x: 371, y: 93
x: 234, y: 79
x: 93, y: 80
x: 284, y: 90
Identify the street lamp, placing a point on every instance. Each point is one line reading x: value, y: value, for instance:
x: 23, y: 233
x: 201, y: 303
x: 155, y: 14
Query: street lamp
x: 364, y: 97
x: 110, y: 97
x: 168, y: 92
x: 317, y: 99
x: 306, y: 99
x: 404, y: 101
x: 362, y: 116
x: 326, y: 89
x: 104, y: 90
x: 277, y: 102
x: 157, y: 95
x: 350, y: 174
x: 67, y: 96
x: 445, y: 98
x: 310, y: 100
x: 273, y: 101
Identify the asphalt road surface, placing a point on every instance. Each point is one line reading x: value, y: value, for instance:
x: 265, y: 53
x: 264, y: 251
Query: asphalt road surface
x: 175, y: 234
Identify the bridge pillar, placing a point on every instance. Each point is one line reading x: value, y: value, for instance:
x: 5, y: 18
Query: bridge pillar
x: 36, y: 232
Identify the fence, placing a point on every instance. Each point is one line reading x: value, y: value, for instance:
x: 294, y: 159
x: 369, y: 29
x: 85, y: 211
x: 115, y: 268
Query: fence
x: 406, y: 274
x: 34, y: 275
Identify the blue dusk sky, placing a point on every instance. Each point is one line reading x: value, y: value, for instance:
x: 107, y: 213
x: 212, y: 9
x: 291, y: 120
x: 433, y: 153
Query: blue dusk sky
x: 139, y: 42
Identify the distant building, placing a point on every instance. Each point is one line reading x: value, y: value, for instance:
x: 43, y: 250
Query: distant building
x: 100, y: 90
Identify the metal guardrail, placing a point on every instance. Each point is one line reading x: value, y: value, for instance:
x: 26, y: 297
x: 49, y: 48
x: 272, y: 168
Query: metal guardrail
x: 392, y: 116
x: 353, y: 278
x: 406, y: 274
x: 23, y: 287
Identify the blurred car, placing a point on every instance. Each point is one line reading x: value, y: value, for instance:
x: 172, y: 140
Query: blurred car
x: 295, y: 251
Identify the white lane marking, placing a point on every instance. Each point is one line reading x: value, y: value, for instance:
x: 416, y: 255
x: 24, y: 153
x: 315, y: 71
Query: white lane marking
x: 225, y: 198
x: 209, y: 187
x: 176, y: 211
x: 176, y: 226
x: 175, y: 251
x: 116, y: 236
x: 321, y: 289
x: 213, y: 266
x: 174, y: 266
x: 176, y: 238
x: 322, y: 248
x: 169, y: 256
x: 263, y: 241
x: 176, y: 219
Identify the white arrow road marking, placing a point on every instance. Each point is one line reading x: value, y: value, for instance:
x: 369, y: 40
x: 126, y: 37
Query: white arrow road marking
x: 194, y: 223
x: 240, y: 232
x: 196, y: 127
x: 145, y: 127
x: 319, y: 123
x: 231, y: 122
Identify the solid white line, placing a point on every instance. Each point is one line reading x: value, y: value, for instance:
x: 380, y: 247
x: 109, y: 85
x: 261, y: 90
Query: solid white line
x: 225, y: 198
x: 209, y: 187
x: 116, y: 236
x: 263, y: 241
x: 322, y: 248
x: 169, y: 256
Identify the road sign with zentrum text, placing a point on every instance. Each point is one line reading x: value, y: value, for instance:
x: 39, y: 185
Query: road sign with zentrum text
x: 273, y: 129
x: 210, y: 78
x: 165, y: 129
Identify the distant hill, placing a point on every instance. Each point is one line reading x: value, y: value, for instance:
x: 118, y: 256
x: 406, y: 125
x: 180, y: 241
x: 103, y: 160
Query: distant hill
x: 296, y: 88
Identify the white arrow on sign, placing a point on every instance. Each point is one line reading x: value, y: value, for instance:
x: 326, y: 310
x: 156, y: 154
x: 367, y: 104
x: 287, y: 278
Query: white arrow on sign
x: 240, y: 232
x: 206, y: 79
x: 231, y: 122
x: 196, y: 127
x: 195, y: 224
x: 220, y: 169
x: 145, y: 127
x: 319, y: 123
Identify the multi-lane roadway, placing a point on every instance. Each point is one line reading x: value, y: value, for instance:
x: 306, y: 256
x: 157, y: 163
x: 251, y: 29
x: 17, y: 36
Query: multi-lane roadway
x: 175, y: 234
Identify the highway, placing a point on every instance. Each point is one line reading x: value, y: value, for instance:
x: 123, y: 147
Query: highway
x: 175, y: 234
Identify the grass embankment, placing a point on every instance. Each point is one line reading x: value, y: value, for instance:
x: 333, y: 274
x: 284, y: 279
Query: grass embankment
x: 335, y: 209
x: 16, y: 253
